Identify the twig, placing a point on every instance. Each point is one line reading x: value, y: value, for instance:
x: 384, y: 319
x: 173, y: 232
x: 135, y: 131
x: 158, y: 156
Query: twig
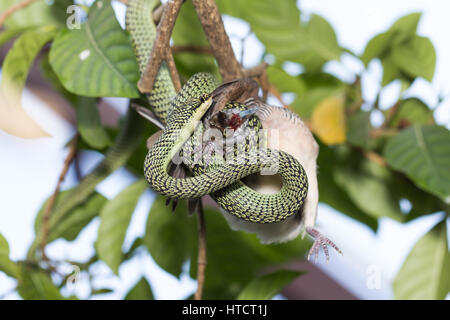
x: 375, y: 157
x: 14, y: 8
x: 390, y: 115
x: 48, y: 209
x: 212, y: 24
x: 256, y: 71
x: 355, y: 106
x: 201, y: 257
x: 161, y: 48
x: 274, y: 91
x: 379, y: 132
x: 173, y: 71
x: 76, y: 163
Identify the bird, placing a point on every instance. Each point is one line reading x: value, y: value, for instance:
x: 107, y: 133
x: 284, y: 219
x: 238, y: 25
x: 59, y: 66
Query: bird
x: 287, y: 132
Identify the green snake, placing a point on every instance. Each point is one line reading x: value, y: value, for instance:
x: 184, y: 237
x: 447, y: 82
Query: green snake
x: 181, y: 114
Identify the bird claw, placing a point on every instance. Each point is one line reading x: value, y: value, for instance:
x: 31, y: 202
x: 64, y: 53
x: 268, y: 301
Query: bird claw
x: 320, y: 241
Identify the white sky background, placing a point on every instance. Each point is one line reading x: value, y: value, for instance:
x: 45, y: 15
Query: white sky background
x: 29, y: 169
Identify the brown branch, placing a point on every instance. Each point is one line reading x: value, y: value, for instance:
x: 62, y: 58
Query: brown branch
x: 201, y: 256
x: 375, y: 157
x: 380, y: 132
x: 51, y: 202
x: 14, y: 8
x: 173, y: 71
x: 256, y: 71
x: 390, y: 115
x: 212, y: 24
x: 161, y: 47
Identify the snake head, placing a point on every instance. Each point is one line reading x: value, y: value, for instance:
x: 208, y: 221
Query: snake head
x: 204, y: 97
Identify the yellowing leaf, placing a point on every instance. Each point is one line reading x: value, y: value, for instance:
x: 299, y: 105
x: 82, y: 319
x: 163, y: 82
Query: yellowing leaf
x: 13, y: 119
x: 328, y: 120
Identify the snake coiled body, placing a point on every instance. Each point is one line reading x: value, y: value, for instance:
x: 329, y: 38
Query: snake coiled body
x: 182, y: 116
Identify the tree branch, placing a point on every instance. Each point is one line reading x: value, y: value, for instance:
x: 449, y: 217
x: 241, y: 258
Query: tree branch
x: 14, y: 8
x: 173, y: 71
x: 51, y: 203
x: 212, y: 24
x: 201, y: 257
x: 161, y: 48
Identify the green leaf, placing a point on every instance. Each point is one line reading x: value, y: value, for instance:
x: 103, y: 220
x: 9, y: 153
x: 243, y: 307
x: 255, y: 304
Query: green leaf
x: 79, y: 217
x: 322, y: 38
x: 332, y: 194
x: 89, y: 124
x: 412, y: 111
x: 6, y: 265
x: 305, y: 104
x: 169, y: 235
x: 358, y: 126
x: 284, y: 82
x: 115, y: 217
x: 390, y: 70
x: 13, y: 119
x: 425, y: 273
x: 278, y: 27
x: 36, y: 284
x: 135, y: 162
x: 102, y: 63
x: 229, y: 250
x: 141, y: 291
x: 101, y: 291
x: 319, y: 85
x: 422, y: 202
x: 8, y: 34
x: 40, y: 12
x: 406, y: 26
x: 188, y: 31
x: 381, y: 45
x: 378, y: 46
x: 368, y: 184
x: 422, y: 153
x: 416, y: 57
x: 267, y: 286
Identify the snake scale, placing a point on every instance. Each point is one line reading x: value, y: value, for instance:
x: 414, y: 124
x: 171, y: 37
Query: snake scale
x: 181, y: 114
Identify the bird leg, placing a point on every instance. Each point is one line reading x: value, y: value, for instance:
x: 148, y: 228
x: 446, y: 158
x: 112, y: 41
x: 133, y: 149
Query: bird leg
x: 320, y: 241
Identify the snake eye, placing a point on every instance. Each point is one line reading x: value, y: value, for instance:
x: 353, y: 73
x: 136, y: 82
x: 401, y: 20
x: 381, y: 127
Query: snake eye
x: 204, y: 97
